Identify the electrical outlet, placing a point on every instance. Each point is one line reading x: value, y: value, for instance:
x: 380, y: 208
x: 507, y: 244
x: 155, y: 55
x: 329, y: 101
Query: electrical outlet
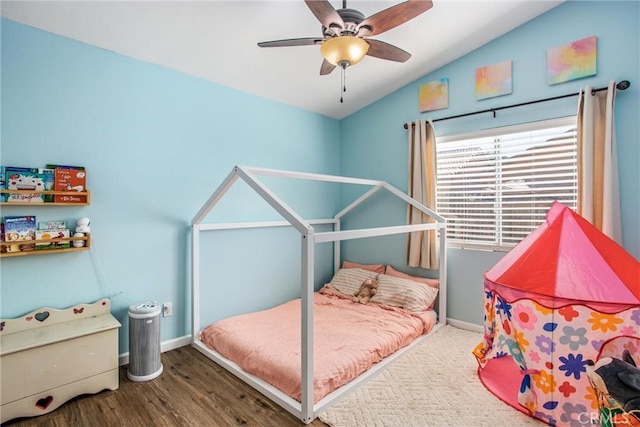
x: 167, y: 309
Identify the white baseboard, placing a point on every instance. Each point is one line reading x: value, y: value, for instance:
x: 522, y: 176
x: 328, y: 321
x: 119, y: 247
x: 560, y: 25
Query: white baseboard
x: 172, y: 344
x: 465, y: 325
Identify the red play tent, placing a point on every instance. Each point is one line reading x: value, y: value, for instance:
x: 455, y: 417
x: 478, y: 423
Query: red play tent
x: 551, y: 304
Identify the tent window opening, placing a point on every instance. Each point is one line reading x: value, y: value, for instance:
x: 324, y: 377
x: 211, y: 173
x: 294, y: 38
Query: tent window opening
x: 495, y: 186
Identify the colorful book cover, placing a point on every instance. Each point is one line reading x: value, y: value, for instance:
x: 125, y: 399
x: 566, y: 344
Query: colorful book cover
x: 17, y: 178
x: 52, y: 225
x: 3, y: 196
x: 52, y: 234
x: 52, y: 166
x: 49, y: 179
x: 70, y: 180
x: 19, y: 229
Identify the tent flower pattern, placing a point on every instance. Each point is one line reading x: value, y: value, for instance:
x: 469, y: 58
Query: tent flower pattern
x: 503, y: 307
x: 574, y: 338
x: 545, y: 344
x: 591, y: 397
x: 604, y: 322
x: 628, y: 330
x: 534, y: 356
x: 572, y: 414
x: 573, y: 365
x: 545, y: 382
x: 522, y: 341
x: 568, y: 313
x: 506, y: 326
x: 631, y: 347
x: 566, y: 389
x: 525, y: 317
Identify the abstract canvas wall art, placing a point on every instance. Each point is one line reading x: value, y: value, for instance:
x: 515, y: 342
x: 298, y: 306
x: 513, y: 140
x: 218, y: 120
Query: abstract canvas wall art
x: 572, y: 61
x: 493, y: 80
x: 434, y: 95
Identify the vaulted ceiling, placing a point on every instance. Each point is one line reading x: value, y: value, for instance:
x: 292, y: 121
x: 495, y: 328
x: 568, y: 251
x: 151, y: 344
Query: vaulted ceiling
x: 217, y: 41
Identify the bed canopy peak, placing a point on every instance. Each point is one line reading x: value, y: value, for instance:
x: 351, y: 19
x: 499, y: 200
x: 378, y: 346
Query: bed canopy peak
x: 250, y: 176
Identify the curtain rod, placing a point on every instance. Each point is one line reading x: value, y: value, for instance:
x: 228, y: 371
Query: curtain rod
x: 622, y: 85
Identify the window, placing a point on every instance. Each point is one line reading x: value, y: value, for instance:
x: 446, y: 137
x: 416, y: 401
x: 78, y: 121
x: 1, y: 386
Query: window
x: 495, y: 186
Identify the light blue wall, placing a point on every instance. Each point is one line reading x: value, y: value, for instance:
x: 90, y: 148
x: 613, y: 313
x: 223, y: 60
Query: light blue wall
x: 374, y: 143
x: 156, y: 144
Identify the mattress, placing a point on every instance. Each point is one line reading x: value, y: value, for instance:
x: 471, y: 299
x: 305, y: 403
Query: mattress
x: 349, y: 338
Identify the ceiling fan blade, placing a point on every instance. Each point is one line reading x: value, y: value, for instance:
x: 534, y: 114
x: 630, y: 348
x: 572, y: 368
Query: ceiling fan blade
x: 326, y: 68
x: 394, y: 16
x: 325, y: 13
x: 386, y: 51
x: 292, y: 42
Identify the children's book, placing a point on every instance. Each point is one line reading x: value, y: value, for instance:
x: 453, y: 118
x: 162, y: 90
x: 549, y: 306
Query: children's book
x: 52, y: 166
x: 49, y: 179
x: 70, y: 180
x: 52, y: 234
x: 18, y: 230
x: 3, y: 196
x: 17, y: 178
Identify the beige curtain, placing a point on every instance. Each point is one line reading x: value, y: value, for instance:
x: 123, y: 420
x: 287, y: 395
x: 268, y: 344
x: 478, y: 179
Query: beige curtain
x: 598, y: 188
x: 421, y: 245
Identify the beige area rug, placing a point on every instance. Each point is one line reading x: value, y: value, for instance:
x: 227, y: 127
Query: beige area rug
x: 434, y: 384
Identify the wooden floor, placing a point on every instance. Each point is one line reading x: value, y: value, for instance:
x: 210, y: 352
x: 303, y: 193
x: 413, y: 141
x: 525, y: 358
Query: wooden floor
x: 192, y: 391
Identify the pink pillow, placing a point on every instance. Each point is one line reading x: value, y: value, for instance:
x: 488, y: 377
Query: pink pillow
x: 378, y: 268
x: 432, y: 283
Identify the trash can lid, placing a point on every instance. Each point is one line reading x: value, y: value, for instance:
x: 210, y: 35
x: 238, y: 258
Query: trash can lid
x: 147, y: 308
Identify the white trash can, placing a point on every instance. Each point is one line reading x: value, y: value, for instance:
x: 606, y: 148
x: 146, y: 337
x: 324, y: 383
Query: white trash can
x: 144, y: 341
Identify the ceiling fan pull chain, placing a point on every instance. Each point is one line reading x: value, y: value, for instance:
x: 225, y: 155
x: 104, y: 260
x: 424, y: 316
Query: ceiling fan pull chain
x: 342, y: 84
x: 344, y: 79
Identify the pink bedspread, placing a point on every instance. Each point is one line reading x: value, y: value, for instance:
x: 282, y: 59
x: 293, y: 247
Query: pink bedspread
x: 348, y: 339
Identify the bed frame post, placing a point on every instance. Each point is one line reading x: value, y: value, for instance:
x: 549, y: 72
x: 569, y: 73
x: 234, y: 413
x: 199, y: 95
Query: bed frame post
x: 307, y: 283
x: 336, y: 248
x: 195, y: 282
x: 442, y: 292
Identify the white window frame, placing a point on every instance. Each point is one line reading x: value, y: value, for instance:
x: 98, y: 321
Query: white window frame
x: 456, y: 234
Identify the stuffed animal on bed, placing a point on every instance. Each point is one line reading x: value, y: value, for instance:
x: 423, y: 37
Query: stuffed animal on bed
x: 367, y: 290
x: 620, y: 379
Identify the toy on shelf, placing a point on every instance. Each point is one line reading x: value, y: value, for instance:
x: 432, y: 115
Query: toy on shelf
x: 81, y: 230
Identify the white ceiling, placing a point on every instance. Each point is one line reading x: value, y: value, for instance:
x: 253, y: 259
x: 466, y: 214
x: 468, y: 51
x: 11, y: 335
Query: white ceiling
x: 217, y: 41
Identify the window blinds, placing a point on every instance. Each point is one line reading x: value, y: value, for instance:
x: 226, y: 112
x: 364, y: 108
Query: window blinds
x: 495, y: 187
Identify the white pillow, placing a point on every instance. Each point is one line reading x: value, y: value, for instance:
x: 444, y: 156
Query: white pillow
x: 349, y: 280
x: 407, y: 294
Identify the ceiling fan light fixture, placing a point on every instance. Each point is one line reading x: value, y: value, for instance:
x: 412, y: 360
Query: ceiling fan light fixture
x: 344, y: 51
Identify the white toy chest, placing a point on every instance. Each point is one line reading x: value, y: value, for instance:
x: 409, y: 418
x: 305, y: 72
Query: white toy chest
x: 49, y: 356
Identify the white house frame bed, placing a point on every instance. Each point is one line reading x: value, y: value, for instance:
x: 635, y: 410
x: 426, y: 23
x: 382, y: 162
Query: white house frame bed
x: 306, y: 410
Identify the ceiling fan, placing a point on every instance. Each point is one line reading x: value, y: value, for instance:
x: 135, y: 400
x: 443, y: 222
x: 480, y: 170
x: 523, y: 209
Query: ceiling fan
x: 345, y: 33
